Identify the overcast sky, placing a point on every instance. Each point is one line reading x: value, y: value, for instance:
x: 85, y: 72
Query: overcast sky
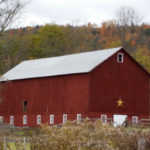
x: 75, y: 12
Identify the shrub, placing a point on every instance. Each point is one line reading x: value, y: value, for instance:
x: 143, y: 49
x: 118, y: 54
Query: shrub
x: 88, y: 136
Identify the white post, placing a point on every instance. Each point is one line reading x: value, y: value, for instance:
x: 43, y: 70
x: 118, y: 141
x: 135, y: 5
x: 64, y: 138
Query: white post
x: 5, y: 143
x: 24, y: 143
x: 141, y: 144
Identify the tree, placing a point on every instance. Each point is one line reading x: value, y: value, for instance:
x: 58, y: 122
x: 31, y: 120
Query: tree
x: 49, y: 41
x: 127, y: 16
x: 127, y: 19
x: 9, y: 9
x: 142, y: 55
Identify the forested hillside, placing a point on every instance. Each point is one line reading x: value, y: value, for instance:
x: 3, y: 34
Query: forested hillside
x: 50, y: 40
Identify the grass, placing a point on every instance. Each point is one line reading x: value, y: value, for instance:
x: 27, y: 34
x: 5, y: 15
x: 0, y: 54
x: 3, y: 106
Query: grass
x: 14, y: 146
x: 84, y: 136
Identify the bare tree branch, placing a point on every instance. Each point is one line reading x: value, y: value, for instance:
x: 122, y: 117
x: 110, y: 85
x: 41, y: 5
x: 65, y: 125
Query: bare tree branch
x: 9, y: 9
x: 127, y: 19
x: 127, y: 16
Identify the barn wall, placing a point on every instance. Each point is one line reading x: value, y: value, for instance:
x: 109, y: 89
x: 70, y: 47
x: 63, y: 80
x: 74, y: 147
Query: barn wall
x: 112, y: 80
x: 52, y: 95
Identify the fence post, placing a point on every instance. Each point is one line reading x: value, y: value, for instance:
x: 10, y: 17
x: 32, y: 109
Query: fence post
x: 141, y: 144
x: 24, y: 143
x: 5, y: 143
x: 79, y: 147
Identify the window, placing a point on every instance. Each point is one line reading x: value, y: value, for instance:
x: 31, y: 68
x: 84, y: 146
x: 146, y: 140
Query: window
x: 24, y: 106
x: 1, y: 119
x: 38, y: 119
x: 11, y: 119
x: 25, y: 119
x: 135, y: 119
x: 120, y: 57
x: 64, y: 118
x: 78, y: 117
x: 104, y: 118
x: 51, y: 119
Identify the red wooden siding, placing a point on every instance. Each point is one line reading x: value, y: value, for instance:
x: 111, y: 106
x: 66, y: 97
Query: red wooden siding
x: 52, y: 95
x: 112, y: 80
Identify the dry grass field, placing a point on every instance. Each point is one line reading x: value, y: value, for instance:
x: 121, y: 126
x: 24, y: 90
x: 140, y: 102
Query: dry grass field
x: 86, y: 135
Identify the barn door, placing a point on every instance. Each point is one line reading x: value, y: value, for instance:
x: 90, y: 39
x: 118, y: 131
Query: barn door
x: 119, y: 119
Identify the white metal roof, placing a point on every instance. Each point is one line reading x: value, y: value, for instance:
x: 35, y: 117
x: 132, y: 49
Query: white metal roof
x: 61, y: 65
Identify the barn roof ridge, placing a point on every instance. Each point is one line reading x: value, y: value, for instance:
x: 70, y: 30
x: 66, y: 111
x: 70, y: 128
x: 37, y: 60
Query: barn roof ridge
x: 59, y: 65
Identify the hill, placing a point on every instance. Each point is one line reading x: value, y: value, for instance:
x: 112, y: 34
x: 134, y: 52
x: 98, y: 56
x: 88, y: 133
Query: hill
x: 50, y: 40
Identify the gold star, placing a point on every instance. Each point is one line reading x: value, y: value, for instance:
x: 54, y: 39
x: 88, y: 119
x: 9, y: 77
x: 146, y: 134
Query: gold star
x: 120, y: 102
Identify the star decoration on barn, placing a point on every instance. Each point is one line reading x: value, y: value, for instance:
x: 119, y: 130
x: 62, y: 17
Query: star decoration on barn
x: 120, y: 102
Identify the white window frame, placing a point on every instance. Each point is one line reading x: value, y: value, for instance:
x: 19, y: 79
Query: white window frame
x: 39, y: 118
x: 118, y: 58
x: 12, y: 119
x: 1, y: 119
x: 105, y: 117
x: 51, y: 119
x: 135, y: 118
x: 25, y: 121
x: 79, y: 117
x: 64, y: 118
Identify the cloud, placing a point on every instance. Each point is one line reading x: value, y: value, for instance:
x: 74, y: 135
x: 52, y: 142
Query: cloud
x: 67, y: 11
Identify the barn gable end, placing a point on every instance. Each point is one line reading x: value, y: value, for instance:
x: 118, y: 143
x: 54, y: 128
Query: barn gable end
x: 111, y: 81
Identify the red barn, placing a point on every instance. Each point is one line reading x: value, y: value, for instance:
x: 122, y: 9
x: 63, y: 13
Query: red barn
x: 97, y: 84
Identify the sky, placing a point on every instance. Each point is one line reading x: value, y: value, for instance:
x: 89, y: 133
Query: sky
x: 78, y: 12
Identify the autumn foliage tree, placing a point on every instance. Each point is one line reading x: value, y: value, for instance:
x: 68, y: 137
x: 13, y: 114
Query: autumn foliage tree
x: 127, y: 20
x: 9, y: 11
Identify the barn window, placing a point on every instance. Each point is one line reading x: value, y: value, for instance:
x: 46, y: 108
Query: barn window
x: 11, y: 119
x: 78, y: 117
x: 104, y: 118
x: 1, y: 119
x: 64, y: 118
x: 51, y: 119
x: 135, y: 119
x: 120, y: 57
x: 25, y: 106
x: 38, y: 119
x: 24, y: 119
